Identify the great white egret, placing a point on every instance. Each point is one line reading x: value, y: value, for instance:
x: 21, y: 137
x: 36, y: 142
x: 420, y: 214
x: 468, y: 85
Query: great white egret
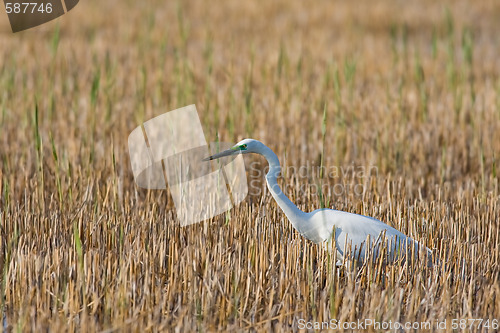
x: 353, y: 233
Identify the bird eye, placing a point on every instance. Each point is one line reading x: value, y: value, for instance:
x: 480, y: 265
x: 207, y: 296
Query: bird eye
x: 244, y: 146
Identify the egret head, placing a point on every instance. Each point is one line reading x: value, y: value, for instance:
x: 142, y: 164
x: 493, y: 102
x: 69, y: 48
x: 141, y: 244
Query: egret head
x: 245, y: 146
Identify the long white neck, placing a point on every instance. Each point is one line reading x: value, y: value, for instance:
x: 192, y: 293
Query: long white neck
x: 314, y: 230
x: 291, y: 211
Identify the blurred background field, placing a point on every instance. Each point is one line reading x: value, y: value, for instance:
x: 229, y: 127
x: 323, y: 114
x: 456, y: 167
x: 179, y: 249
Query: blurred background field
x: 409, y: 89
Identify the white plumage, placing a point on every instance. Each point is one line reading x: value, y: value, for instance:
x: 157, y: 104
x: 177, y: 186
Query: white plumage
x: 350, y: 231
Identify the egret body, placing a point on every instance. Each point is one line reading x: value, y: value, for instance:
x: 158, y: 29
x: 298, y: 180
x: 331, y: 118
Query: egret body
x: 352, y: 232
